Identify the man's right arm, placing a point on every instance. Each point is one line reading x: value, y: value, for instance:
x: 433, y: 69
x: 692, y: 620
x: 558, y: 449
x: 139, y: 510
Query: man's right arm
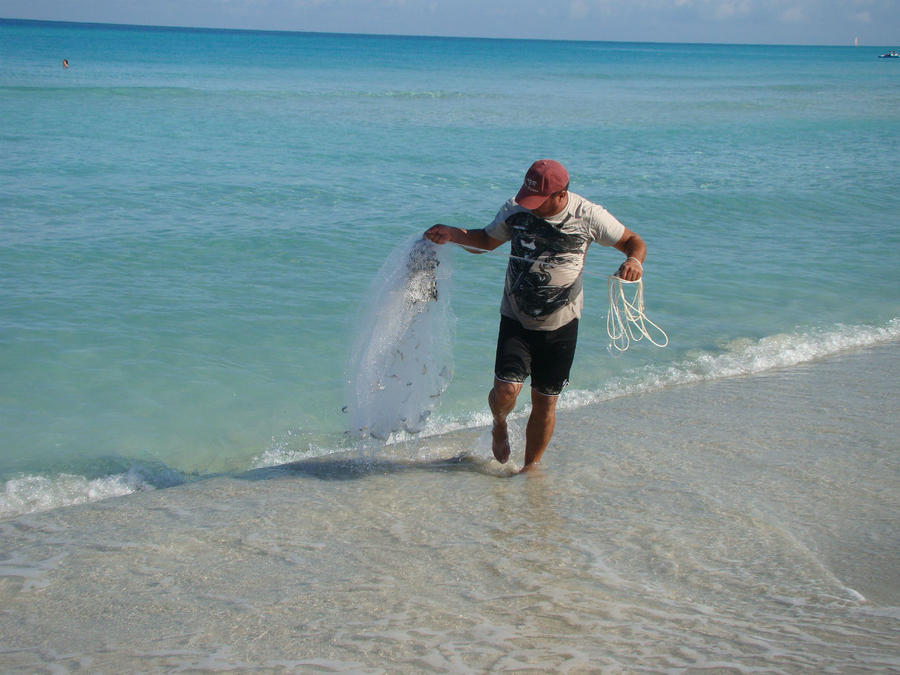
x: 474, y: 241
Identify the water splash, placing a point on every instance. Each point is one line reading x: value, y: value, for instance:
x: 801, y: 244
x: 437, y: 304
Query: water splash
x: 402, y: 361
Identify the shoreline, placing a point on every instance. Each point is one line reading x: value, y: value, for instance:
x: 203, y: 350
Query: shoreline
x: 38, y: 493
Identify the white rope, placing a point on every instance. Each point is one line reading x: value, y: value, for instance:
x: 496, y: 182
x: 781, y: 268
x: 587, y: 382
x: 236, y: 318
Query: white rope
x: 626, y: 321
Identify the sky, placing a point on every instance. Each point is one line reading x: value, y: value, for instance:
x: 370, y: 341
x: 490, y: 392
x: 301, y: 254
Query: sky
x: 835, y: 22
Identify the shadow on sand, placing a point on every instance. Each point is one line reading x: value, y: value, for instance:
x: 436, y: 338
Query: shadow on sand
x: 354, y: 467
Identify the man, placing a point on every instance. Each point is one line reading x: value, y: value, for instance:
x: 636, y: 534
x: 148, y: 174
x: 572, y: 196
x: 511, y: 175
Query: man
x: 549, y: 230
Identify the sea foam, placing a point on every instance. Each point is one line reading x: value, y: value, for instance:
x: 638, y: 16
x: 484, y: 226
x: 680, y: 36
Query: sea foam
x: 742, y: 357
x: 28, y: 494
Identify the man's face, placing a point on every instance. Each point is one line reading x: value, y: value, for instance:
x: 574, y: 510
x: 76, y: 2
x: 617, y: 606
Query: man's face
x: 552, y: 205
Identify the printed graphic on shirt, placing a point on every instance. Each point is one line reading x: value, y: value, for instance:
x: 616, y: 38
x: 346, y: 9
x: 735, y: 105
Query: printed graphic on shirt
x: 544, y: 268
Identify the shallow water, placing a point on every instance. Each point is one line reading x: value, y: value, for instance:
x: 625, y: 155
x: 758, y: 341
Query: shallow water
x: 192, y: 219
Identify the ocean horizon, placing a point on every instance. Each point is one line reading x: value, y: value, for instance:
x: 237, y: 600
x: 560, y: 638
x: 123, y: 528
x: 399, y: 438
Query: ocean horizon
x: 276, y: 31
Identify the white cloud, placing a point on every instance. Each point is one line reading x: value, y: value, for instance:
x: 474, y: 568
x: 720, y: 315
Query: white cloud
x: 578, y: 9
x: 794, y: 14
x: 729, y: 9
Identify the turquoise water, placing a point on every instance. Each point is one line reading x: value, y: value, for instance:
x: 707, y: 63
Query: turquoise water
x: 191, y: 221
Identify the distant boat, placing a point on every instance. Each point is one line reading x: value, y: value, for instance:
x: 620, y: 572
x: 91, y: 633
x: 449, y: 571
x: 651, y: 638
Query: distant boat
x: 890, y: 55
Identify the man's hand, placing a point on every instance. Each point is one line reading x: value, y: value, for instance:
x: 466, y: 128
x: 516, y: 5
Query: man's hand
x: 474, y: 241
x: 439, y: 234
x: 630, y: 270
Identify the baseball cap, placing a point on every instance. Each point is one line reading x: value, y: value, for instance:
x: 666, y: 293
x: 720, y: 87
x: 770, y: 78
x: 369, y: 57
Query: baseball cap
x: 543, y: 178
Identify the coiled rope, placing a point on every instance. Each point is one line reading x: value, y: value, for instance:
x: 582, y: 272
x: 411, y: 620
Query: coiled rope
x: 626, y: 321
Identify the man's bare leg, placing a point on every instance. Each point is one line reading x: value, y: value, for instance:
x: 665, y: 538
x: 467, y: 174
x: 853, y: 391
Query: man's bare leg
x: 502, y: 400
x: 540, y: 427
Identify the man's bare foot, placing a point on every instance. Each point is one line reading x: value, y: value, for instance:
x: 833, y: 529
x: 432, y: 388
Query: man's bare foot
x: 500, y: 442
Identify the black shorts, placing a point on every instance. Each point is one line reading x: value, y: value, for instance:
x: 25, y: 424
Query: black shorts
x: 546, y: 355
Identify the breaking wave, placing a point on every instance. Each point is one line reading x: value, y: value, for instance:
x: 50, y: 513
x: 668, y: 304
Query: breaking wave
x: 742, y: 357
x: 32, y: 493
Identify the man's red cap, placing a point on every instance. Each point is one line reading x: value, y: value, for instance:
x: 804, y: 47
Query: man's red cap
x: 545, y: 177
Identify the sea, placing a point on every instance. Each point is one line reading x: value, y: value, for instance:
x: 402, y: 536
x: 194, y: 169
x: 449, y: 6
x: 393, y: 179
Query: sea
x: 205, y: 246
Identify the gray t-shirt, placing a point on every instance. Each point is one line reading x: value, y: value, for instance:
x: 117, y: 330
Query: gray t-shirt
x: 543, y: 289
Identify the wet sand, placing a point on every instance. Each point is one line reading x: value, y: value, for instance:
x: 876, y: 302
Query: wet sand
x: 729, y: 526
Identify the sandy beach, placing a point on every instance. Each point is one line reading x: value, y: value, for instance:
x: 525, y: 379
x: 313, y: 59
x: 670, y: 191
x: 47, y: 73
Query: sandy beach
x: 740, y: 525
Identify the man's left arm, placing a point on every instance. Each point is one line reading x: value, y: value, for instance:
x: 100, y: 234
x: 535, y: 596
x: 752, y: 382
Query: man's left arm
x: 631, y: 244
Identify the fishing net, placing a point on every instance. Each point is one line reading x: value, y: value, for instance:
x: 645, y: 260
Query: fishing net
x: 402, y: 361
